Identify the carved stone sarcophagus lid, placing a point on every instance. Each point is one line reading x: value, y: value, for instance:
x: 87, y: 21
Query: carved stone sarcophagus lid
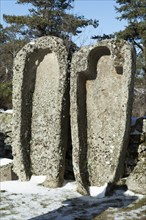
x: 40, y: 103
x: 101, y: 95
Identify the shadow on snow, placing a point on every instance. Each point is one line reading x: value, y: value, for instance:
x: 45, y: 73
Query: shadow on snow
x: 87, y: 208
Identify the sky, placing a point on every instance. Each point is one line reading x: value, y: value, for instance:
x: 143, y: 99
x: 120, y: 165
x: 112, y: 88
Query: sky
x: 102, y: 10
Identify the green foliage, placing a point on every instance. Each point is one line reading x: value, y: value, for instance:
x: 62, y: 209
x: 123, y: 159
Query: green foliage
x: 134, y: 11
x: 6, y: 95
x: 103, y: 37
x: 10, y: 45
x: 49, y: 18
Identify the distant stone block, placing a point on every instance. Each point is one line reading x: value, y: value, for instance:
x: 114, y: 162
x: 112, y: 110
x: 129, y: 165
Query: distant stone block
x: 6, y: 173
x: 136, y: 181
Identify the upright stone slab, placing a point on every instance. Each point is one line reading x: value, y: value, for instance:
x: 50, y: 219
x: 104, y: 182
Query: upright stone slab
x: 40, y: 103
x: 101, y: 98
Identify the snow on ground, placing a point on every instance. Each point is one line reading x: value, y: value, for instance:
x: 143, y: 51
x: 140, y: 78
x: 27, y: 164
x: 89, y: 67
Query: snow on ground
x: 8, y: 111
x: 98, y: 192
x: 30, y: 200
x: 5, y: 161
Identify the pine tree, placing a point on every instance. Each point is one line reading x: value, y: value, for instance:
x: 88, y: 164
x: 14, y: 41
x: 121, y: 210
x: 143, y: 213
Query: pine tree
x: 49, y: 17
x: 10, y: 44
x: 134, y: 11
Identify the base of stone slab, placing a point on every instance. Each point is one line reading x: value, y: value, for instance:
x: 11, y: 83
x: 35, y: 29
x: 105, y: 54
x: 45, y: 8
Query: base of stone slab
x: 52, y: 184
x: 136, y: 182
x: 83, y: 191
x: 140, y: 189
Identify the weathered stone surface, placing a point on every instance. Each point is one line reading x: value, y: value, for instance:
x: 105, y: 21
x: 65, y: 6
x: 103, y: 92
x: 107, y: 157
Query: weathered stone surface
x: 6, y: 173
x: 40, y: 104
x: 6, y: 135
x: 101, y: 98
x: 139, y: 103
x: 136, y: 181
x: 5, y: 122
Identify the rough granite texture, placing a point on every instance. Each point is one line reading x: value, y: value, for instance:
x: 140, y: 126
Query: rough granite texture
x: 137, y: 178
x: 40, y: 105
x: 101, y: 94
x: 6, y: 173
x: 5, y: 135
x: 5, y: 123
x: 101, y: 100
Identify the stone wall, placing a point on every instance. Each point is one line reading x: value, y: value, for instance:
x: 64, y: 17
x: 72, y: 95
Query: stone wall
x: 5, y: 135
x: 136, y: 157
x: 139, y: 104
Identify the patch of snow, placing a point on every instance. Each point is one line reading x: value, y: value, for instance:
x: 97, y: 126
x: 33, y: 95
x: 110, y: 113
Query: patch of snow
x: 5, y: 161
x: 1, y: 110
x: 29, y: 200
x: 130, y: 193
x: 8, y: 111
x: 98, y: 192
x: 33, y: 186
x: 70, y: 185
x: 32, y: 42
x: 37, y: 179
x: 23, y: 187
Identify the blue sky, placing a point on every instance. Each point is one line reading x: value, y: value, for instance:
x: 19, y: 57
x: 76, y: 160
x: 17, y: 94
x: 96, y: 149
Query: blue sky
x: 102, y: 10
